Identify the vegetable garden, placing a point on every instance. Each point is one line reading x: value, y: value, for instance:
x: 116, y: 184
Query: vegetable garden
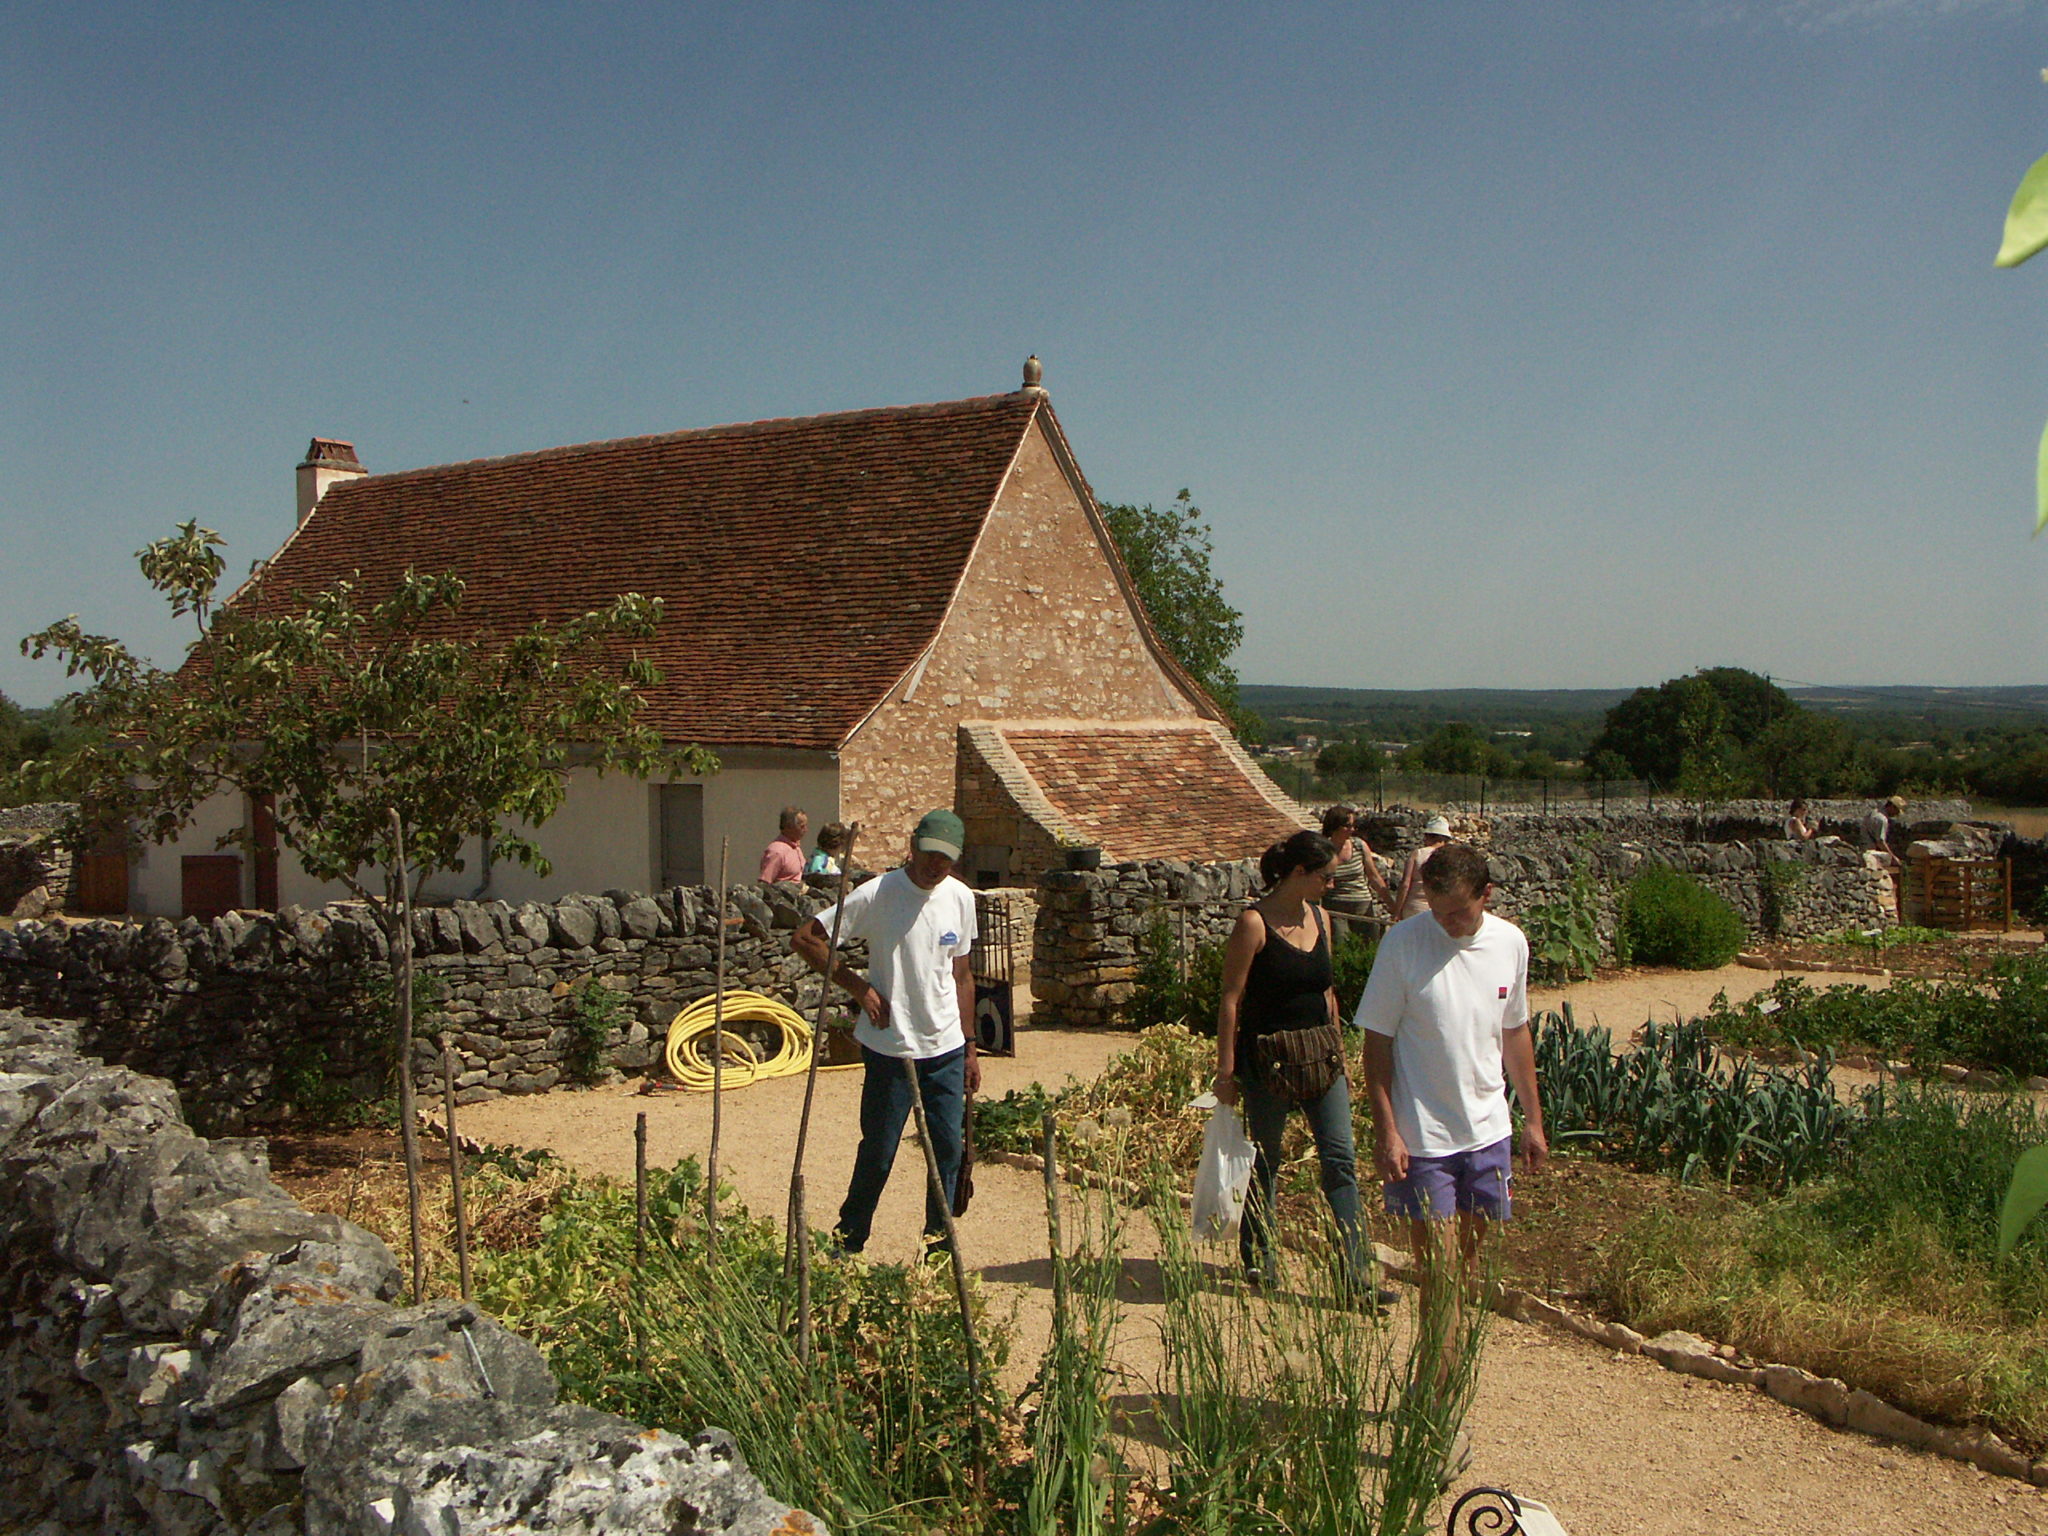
x: 1289, y: 1410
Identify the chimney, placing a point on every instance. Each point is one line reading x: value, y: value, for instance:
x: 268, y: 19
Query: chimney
x: 328, y: 459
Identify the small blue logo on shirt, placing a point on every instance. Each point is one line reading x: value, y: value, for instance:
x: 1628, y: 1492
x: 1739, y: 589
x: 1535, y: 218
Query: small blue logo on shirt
x: 950, y: 937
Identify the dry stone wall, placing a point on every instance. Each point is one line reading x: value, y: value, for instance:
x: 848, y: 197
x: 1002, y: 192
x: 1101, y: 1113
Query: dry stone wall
x: 1086, y: 936
x: 188, y: 1352
x: 35, y: 869
x: 253, y: 1012
x: 1086, y: 939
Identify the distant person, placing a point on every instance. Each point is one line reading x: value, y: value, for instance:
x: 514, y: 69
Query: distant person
x: 1279, y: 1046
x: 1412, y: 901
x: 831, y: 844
x: 1877, y: 829
x: 782, y: 861
x: 1800, y: 827
x: 1359, y: 881
x: 1877, y: 826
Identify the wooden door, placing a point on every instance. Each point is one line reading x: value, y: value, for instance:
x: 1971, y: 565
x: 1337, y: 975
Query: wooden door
x: 211, y: 883
x: 682, y: 834
x: 100, y: 885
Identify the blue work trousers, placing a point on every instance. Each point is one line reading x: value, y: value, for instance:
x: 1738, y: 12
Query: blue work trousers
x: 1329, y: 1121
x: 885, y: 1104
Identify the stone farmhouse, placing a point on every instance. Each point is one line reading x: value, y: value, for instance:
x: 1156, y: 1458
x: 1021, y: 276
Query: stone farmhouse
x: 868, y: 614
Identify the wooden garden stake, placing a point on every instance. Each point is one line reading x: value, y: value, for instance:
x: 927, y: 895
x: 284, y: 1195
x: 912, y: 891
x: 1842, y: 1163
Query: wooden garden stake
x: 408, y: 1109
x: 938, y: 1193
x: 798, y: 1248
x: 455, y: 1166
x: 640, y: 1187
x: 717, y: 1066
x: 639, y: 1229
x: 1049, y: 1146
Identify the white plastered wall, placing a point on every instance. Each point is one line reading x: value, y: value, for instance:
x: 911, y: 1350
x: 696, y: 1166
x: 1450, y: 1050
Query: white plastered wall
x: 606, y: 836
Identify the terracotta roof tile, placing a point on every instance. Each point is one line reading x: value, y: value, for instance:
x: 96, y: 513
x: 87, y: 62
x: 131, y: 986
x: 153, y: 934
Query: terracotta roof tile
x: 1151, y: 792
x: 805, y: 563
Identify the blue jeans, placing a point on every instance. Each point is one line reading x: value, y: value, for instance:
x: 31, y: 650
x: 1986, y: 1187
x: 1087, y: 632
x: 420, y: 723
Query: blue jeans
x: 885, y: 1104
x: 1329, y: 1120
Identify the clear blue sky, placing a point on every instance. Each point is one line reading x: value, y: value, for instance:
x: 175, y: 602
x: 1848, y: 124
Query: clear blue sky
x: 1512, y: 345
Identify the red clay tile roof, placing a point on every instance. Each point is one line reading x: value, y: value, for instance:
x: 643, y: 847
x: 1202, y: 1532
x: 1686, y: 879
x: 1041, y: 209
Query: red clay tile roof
x: 1151, y: 792
x: 805, y: 563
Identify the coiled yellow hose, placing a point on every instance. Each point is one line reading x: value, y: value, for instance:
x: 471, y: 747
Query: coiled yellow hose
x: 689, y: 1042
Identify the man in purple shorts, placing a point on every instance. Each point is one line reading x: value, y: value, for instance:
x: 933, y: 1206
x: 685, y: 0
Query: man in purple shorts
x: 1445, y: 1016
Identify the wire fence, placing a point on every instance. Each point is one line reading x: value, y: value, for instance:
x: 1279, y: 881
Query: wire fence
x: 1428, y: 791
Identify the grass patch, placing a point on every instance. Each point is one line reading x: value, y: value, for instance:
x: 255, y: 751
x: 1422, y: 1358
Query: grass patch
x: 1883, y: 1273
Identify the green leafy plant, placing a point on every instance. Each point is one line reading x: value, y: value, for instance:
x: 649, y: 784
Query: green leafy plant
x: 1671, y: 919
x: 1564, y: 935
x: 1170, y: 990
x: 2024, y: 1198
x: 2026, y: 232
x: 1779, y: 882
x: 599, y: 1010
x: 1670, y: 1105
x: 1880, y: 939
x: 1996, y: 1019
x: 1351, y: 958
x: 1011, y: 1123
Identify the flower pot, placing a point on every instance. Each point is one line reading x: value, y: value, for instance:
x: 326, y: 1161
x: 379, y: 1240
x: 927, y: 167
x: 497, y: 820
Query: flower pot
x: 1084, y: 858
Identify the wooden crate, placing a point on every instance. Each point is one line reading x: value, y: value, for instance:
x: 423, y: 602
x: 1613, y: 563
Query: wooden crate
x: 1956, y: 894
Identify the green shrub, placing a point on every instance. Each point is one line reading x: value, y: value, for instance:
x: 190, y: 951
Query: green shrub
x: 1351, y: 956
x: 1163, y: 994
x: 1671, y: 919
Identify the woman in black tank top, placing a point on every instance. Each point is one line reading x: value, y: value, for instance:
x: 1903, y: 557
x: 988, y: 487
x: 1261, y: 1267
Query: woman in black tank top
x: 1277, y: 976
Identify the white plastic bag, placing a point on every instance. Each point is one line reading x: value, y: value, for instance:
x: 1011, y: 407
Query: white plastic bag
x: 1224, y: 1177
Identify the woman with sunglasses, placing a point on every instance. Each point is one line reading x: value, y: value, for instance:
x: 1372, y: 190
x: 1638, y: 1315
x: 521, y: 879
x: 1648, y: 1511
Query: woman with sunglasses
x: 1279, y: 1046
x: 1358, y: 878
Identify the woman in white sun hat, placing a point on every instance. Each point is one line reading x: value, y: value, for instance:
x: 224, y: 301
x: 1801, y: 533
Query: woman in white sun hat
x: 1435, y: 833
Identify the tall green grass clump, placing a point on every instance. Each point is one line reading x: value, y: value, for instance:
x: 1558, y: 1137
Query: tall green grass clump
x: 1669, y: 918
x: 872, y: 1435
x: 1292, y: 1411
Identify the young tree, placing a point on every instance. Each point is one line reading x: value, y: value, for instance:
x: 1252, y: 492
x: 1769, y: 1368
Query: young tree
x: 1166, y: 550
x: 381, y: 735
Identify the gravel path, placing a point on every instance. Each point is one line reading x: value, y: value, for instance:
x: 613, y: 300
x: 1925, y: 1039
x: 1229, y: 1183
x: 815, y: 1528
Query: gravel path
x: 1614, y: 1443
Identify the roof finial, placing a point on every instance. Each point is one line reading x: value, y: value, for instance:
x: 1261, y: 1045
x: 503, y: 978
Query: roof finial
x: 1033, y: 372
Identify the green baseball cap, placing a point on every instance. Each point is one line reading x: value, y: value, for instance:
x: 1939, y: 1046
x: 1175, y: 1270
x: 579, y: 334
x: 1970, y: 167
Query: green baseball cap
x: 940, y: 832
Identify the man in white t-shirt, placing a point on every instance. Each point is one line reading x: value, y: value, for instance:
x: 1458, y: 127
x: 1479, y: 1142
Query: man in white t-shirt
x: 1445, y: 1015
x: 915, y: 1002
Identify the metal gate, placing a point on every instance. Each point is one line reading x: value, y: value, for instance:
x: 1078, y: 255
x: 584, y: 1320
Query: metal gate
x: 993, y: 963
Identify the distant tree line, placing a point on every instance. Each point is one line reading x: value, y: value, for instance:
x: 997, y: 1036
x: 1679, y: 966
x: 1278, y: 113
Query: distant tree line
x: 1717, y: 733
x: 31, y: 733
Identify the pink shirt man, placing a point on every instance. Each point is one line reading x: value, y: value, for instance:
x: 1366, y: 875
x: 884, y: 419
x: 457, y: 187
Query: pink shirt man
x: 783, y: 859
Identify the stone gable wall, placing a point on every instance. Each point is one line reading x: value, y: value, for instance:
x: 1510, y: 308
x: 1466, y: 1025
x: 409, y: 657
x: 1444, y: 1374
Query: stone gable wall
x: 1038, y: 630
x: 188, y: 1352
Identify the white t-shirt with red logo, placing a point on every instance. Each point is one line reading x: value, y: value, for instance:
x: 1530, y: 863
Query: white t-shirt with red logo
x: 1447, y: 1002
x: 913, y: 938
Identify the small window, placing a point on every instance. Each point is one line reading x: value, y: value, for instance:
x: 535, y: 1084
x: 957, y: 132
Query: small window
x: 682, y: 834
